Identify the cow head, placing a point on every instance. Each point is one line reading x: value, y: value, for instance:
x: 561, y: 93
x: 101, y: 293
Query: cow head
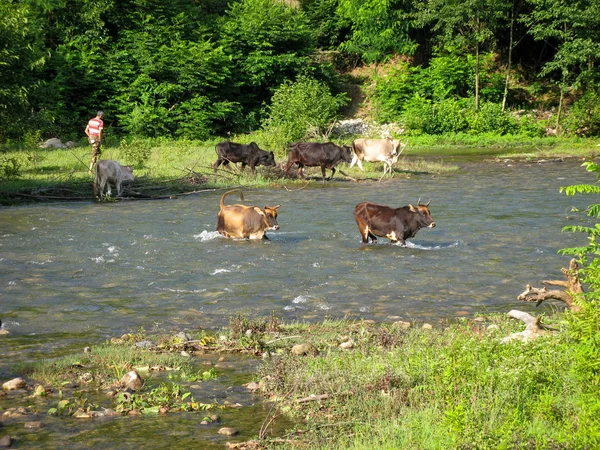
x: 397, y: 146
x: 271, y: 217
x: 424, y: 218
x: 266, y: 158
x: 346, y: 153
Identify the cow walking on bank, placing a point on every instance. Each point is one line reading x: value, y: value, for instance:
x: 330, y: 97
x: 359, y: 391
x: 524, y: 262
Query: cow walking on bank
x: 245, y: 222
x: 247, y: 154
x: 312, y: 154
x: 396, y: 224
x: 111, y: 173
x: 384, y: 150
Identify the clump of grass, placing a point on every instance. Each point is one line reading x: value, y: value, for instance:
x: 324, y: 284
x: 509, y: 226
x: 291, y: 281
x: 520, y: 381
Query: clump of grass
x: 452, y: 387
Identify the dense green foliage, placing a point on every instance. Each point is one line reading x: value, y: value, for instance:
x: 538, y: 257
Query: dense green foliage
x: 190, y: 69
x: 584, y: 327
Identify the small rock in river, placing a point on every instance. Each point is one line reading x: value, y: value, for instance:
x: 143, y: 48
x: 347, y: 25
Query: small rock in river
x: 304, y: 349
x: 228, y: 431
x: 33, y: 425
x: 15, y: 383
x: 5, y: 441
x: 39, y: 391
x: 427, y: 326
x: 131, y: 380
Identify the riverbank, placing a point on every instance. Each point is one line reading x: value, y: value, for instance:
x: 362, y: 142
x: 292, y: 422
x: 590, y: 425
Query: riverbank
x: 164, y: 169
x: 345, y: 384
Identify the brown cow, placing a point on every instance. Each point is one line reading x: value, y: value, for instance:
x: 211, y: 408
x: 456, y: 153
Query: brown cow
x: 396, y: 224
x: 312, y: 154
x: 245, y: 222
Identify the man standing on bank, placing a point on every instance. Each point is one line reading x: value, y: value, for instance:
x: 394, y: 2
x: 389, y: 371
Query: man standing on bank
x: 94, y: 133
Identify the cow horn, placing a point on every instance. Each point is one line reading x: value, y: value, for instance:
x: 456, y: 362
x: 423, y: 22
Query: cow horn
x: 419, y: 202
x: 427, y: 204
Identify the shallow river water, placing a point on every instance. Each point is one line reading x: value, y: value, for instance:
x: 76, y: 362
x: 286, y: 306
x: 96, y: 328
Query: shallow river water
x: 74, y: 274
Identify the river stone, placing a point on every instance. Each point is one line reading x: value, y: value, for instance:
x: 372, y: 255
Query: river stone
x: 183, y: 337
x: 402, y: 325
x: 144, y: 344
x: 228, y: 431
x: 304, y: 349
x: 5, y: 441
x: 427, y: 326
x: 252, y: 386
x: 15, y: 383
x: 347, y: 345
x: 131, y: 380
x: 87, y: 350
x: 35, y: 425
x: 39, y: 391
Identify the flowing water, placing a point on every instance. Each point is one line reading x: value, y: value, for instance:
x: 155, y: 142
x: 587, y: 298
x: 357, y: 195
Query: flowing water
x: 75, y: 274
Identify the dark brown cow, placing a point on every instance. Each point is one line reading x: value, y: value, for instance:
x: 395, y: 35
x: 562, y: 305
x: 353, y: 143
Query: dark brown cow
x: 247, y: 154
x: 313, y: 154
x: 396, y: 224
x: 245, y: 222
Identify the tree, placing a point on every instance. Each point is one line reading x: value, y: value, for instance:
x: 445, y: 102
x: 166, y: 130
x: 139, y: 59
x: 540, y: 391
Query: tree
x: 380, y: 28
x: 21, y: 59
x: 573, y: 28
x: 468, y: 25
x: 268, y: 42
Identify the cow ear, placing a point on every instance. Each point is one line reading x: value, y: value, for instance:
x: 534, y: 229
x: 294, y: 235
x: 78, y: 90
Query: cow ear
x: 412, y: 208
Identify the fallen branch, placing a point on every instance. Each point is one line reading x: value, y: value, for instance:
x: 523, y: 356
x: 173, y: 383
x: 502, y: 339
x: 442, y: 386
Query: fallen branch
x: 533, y: 328
x: 572, y: 287
x: 348, y: 176
x: 313, y: 398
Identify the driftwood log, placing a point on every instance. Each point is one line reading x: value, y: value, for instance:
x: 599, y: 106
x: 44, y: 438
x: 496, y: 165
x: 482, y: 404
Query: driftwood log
x: 572, y: 287
x: 533, y: 330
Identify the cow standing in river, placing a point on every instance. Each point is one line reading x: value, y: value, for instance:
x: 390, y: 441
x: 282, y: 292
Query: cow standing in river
x: 245, y: 222
x: 312, y: 154
x: 384, y: 150
x: 247, y: 154
x: 396, y: 224
x: 111, y: 173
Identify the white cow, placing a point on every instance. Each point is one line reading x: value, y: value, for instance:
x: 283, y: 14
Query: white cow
x: 111, y: 172
x: 384, y: 150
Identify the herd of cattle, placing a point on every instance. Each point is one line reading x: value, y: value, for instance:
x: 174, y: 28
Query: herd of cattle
x: 252, y: 222
x: 313, y: 154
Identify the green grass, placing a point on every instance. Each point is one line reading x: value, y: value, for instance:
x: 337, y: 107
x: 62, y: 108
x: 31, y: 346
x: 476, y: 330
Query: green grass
x: 457, y: 387
x: 165, y: 167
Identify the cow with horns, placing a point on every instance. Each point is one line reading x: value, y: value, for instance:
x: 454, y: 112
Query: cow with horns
x: 396, y: 224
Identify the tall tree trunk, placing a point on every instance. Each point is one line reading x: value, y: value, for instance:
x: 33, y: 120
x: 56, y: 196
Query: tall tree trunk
x: 509, y: 65
x: 477, y: 69
x: 560, y: 108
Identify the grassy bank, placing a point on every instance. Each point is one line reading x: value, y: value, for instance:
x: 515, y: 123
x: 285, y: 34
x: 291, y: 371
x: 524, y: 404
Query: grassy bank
x: 356, y: 385
x: 455, y: 387
x: 164, y: 168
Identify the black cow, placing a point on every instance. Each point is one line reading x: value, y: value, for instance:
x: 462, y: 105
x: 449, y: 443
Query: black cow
x: 312, y: 154
x: 247, y: 154
x: 396, y: 224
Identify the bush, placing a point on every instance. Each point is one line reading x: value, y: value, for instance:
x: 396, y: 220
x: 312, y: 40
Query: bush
x: 491, y: 118
x: 302, y: 106
x: 136, y: 151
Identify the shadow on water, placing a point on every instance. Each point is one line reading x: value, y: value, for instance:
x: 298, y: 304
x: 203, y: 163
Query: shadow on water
x: 76, y: 274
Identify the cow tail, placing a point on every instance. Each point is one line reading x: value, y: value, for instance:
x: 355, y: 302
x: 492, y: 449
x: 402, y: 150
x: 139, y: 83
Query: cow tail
x: 222, y: 204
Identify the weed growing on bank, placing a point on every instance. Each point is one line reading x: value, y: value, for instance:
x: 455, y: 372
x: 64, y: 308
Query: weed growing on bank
x: 453, y: 387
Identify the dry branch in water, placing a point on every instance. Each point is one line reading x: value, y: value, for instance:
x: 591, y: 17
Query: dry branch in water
x: 572, y: 287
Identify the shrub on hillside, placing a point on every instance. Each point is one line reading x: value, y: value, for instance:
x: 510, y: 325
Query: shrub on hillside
x: 302, y: 106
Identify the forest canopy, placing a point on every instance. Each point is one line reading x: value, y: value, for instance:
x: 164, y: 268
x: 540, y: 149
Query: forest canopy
x: 195, y: 69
